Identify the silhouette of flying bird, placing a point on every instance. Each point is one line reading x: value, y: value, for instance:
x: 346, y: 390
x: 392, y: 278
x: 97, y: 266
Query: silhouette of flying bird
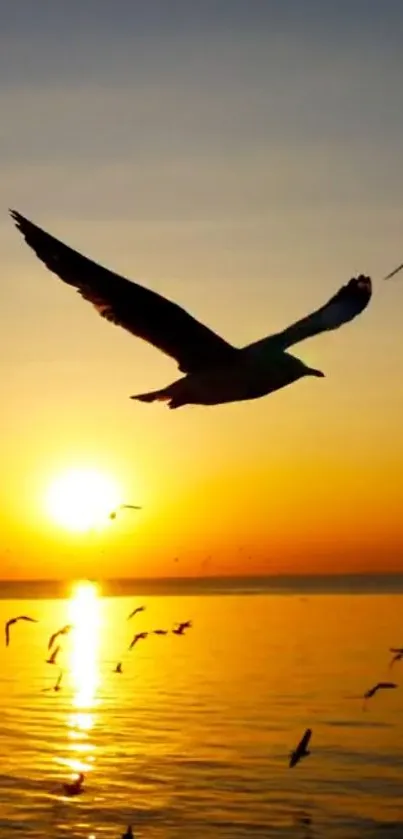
x: 63, y: 631
x: 114, y: 513
x: 14, y: 620
x: 118, y: 668
x: 215, y: 371
x: 75, y: 787
x: 56, y: 687
x: 398, y: 655
x: 160, y: 632
x: 53, y: 657
x: 180, y: 628
x: 138, y: 637
x: 379, y: 686
x: 301, y: 750
x: 135, y: 612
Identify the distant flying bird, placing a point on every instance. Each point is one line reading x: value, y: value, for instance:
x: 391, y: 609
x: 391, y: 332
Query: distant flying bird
x: 118, y: 668
x: 14, y: 620
x: 75, y: 787
x: 398, y: 655
x: 380, y: 686
x: 136, y: 612
x: 114, y: 513
x: 138, y: 637
x: 56, y: 687
x: 160, y: 632
x: 63, y: 631
x: 53, y: 657
x: 215, y: 371
x: 301, y: 750
x: 180, y: 628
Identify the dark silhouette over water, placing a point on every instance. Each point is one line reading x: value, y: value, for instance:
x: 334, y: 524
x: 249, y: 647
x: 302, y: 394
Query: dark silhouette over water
x: 215, y: 371
x: 13, y: 621
x: 301, y: 750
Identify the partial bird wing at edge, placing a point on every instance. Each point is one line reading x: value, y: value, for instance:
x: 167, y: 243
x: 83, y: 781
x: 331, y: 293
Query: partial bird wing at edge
x: 345, y: 305
x: 142, y: 312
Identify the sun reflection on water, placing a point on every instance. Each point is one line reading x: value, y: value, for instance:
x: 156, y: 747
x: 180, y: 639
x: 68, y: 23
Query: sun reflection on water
x: 84, y: 614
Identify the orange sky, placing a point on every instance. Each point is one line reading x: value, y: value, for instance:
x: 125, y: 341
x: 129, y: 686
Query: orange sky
x: 244, y: 172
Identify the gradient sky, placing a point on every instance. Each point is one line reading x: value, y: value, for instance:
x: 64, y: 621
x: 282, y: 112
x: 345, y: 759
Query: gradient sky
x: 244, y: 159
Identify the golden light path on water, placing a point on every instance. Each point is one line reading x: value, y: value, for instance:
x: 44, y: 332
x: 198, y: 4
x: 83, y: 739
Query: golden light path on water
x: 85, y: 616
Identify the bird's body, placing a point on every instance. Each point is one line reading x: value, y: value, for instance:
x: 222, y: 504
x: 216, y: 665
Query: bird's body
x: 160, y: 632
x: 63, y: 631
x: 215, y: 371
x: 301, y: 751
x: 128, y: 833
x: 118, y: 668
x: 13, y: 621
x: 52, y: 658
x: 140, y: 636
x: 398, y: 655
x: 75, y: 787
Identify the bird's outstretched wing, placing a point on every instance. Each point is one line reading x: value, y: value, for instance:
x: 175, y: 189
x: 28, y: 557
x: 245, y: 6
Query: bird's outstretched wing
x: 141, y: 311
x: 302, y: 745
x: 349, y: 301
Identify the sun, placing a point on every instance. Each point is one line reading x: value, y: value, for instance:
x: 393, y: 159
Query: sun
x: 82, y: 499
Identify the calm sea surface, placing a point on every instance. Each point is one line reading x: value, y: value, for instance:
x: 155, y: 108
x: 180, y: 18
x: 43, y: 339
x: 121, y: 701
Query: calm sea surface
x: 192, y: 739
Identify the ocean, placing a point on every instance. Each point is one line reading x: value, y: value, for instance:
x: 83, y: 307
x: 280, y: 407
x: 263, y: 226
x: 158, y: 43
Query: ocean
x: 192, y: 739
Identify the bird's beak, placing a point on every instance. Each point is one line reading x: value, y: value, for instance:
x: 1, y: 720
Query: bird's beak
x: 317, y: 373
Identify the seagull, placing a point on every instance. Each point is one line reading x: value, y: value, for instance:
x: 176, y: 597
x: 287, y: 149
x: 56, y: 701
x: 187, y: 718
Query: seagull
x: 180, y: 628
x: 118, y: 668
x: 380, y: 686
x: 52, y: 658
x: 128, y: 834
x: 139, y: 637
x: 398, y: 655
x: 14, y: 620
x: 75, y: 787
x: 135, y: 612
x: 57, y: 686
x: 114, y: 513
x: 214, y: 370
x: 160, y: 632
x: 301, y: 750
x: 63, y: 631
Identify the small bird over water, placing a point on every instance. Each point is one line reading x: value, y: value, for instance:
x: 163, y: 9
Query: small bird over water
x: 75, y: 787
x: 14, y: 620
x: 398, y: 655
x: 63, y: 631
x: 118, y: 668
x: 140, y: 636
x: 379, y: 686
x: 180, y: 628
x: 114, y: 513
x: 215, y: 371
x: 128, y: 834
x: 136, y: 612
x: 301, y: 750
x: 52, y: 658
x: 57, y: 686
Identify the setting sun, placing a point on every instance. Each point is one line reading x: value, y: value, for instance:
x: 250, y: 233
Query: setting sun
x: 82, y: 498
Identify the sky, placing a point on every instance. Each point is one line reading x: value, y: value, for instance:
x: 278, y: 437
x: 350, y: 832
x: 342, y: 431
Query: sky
x: 243, y: 159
